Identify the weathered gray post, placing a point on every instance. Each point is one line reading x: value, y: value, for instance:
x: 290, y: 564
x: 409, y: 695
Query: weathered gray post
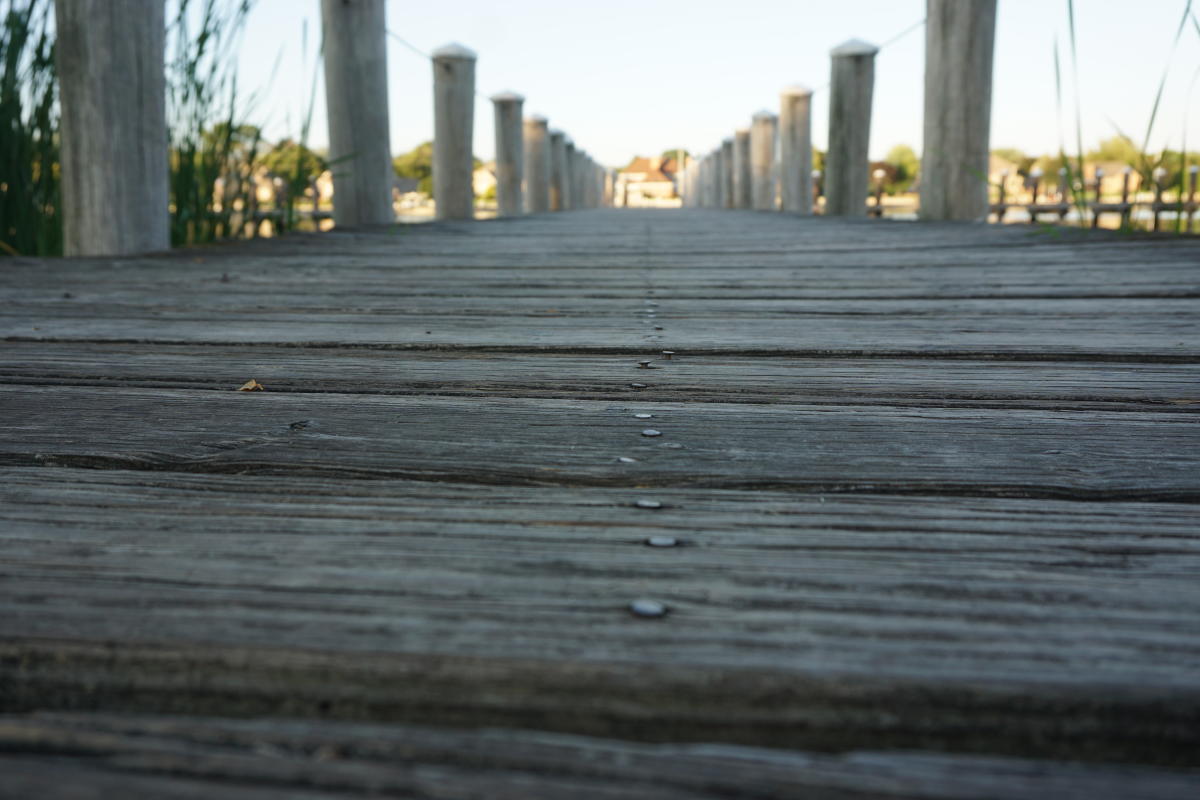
x: 570, y: 164
x: 959, y: 41
x: 848, y: 161
x: 742, y: 180
x: 356, y: 97
x: 510, y: 154
x: 718, y: 178
x: 727, y: 174
x: 537, y: 165
x: 453, y: 131
x: 795, y: 149
x: 762, y: 161
x: 114, y: 126
x: 558, y: 171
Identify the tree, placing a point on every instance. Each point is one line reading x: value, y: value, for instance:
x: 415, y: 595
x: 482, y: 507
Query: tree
x: 417, y: 163
x: 674, y: 153
x: 295, y: 163
x: 905, y: 167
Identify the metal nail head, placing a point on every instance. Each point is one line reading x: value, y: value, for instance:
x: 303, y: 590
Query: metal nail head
x: 642, y: 416
x: 651, y: 432
x: 648, y: 504
x: 668, y: 354
x: 661, y: 541
x: 649, y: 609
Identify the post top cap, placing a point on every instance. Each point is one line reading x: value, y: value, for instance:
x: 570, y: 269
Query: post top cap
x: 537, y: 118
x: 741, y: 132
x: 796, y: 90
x: 507, y: 97
x: 727, y: 141
x: 764, y: 114
x: 454, y: 50
x: 854, y: 47
x: 556, y: 132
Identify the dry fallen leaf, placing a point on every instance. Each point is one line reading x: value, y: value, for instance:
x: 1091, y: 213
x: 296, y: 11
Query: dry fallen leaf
x: 252, y: 386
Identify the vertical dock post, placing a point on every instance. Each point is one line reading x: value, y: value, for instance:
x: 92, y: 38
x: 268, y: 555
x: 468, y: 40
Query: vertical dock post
x: 558, y: 171
x: 571, y: 193
x: 762, y: 161
x: 959, y: 43
x: 537, y: 165
x: 510, y: 154
x: 453, y: 131
x: 356, y: 97
x: 114, y: 127
x: 848, y: 161
x: 742, y: 181
x: 727, y: 173
x: 795, y: 149
x: 718, y: 178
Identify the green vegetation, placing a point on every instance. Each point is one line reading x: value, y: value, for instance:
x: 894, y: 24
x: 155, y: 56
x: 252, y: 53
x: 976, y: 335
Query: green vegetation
x: 417, y: 163
x: 905, y: 165
x: 209, y: 138
x: 29, y: 165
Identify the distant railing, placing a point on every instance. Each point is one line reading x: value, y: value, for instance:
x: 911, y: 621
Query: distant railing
x: 1087, y: 201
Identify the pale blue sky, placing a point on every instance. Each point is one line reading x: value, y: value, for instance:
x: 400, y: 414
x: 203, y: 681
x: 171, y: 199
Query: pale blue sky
x: 628, y: 77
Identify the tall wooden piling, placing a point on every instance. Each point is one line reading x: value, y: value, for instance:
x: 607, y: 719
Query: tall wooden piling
x: 356, y: 98
x: 537, y: 165
x: 510, y: 154
x: 718, y: 178
x: 742, y: 180
x: 727, y: 173
x: 795, y: 149
x: 558, y: 171
x: 570, y: 176
x: 114, y: 130
x: 848, y: 162
x: 453, y: 132
x: 762, y: 161
x: 959, y: 43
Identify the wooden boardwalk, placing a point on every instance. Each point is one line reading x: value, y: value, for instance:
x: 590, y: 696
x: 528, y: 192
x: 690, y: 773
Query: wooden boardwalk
x: 933, y: 491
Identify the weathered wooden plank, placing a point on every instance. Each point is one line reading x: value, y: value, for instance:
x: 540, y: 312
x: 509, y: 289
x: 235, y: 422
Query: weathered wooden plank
x: 199, y: 758
x: 684, y: 378
x: 978, y: 624
x: 873, y: 449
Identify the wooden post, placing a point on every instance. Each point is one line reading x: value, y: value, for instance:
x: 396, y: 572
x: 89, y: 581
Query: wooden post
x: 848, y: 162
x: 558, y: 171
x: 718, y: 178
x: 537, y: 165
x: 453, y: 132
x: 114, y: 129
x: 762, y: 161
x: 510, y: 154
x: 356, y: 97
x: 795, y: 149
x: 959, y: 42
x: 727, y: 173
x: 570, y: 165
x: 742, y: 181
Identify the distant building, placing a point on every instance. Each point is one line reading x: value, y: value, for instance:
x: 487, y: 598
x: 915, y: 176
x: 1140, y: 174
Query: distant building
x: 483, y: 180
x: 648, y: 181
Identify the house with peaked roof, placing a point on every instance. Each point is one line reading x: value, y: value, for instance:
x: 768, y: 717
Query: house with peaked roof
x: 648, y: 181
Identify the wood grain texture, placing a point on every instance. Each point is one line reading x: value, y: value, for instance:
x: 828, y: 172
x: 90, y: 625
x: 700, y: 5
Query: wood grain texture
x: 276, y: 758
x: 934, y: 490
x: 795, y: 618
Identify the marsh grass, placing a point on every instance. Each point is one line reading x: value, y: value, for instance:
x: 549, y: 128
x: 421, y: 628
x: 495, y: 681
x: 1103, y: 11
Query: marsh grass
x: 210, y: 138
x: 30, y: 220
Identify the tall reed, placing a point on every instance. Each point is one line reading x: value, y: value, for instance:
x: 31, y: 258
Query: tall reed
x: 210, y: 139
x: 30, y: 219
